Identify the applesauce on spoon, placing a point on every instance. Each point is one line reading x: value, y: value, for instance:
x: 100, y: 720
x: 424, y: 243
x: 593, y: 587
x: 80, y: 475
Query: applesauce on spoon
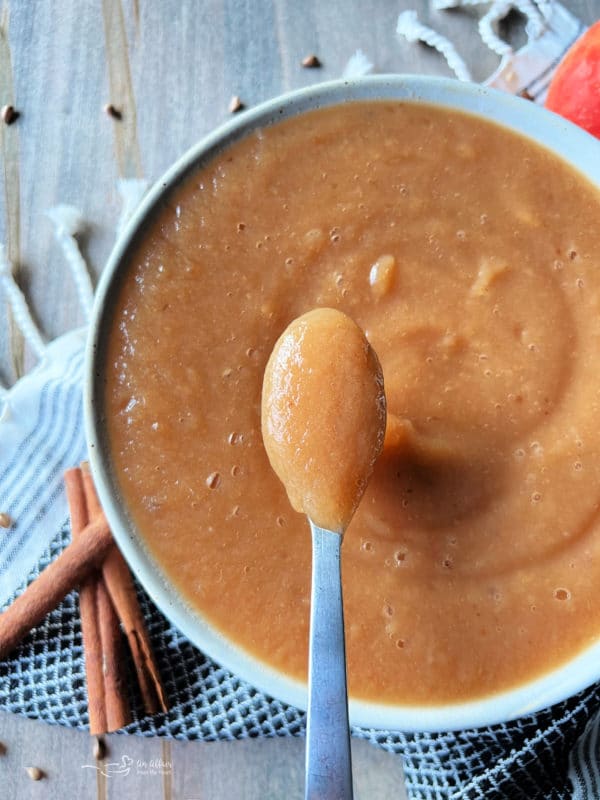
x: 323, y: 415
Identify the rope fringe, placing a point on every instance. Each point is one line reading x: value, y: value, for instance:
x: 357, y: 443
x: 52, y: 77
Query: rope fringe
x: 19, y: 306
x: 487, y: 29
x: 414, y: 31
x: 443, y: 5
x: 536, y: 22
x: 536, y: 12
x: 131, y: 190
x: 68, y: 222
x: 358, y: 64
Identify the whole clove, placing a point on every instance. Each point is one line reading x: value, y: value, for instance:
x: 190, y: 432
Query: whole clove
x: 235, y: 105
x: 112, y: 111
x: 311, y: 62
x: 35, y: 773
x: 9, y: 114
x: 525, y: 95
x: 99, y: 748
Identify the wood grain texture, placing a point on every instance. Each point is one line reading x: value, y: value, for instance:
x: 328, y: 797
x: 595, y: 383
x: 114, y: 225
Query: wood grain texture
x: 122, y: 99
x: 172, y: 65
x: 10, y: 208
x: 153, y: 769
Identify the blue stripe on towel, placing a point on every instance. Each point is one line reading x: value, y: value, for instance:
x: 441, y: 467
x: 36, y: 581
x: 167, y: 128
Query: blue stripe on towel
x: 21, y: 463
x: 584, y: 771
x: 50, y: 459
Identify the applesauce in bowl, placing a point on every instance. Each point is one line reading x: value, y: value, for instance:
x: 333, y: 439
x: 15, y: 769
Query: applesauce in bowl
x: 469, y: 253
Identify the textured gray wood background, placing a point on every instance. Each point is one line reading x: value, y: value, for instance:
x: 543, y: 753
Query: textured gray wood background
x: 171, y: 66
x: 248, y: 770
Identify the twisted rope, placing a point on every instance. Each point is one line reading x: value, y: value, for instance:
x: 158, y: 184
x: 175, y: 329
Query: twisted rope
x: 131, y: 190
x: 414, y: 31
x: 536, y: 12
x: 20, y: 309
x: 358, y: 64
x: 487, y: 31
x: 67, y: 223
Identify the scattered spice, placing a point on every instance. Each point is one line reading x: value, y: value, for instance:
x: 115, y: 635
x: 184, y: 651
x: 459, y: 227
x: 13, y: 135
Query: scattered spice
x: 99, y: 748
x: 9, y: 114
x: 525, y: 95
x: 5, y: 520
x: 113, y: 112
x: 35, y: 773
x: 311, y: 62
x: 235, y: 104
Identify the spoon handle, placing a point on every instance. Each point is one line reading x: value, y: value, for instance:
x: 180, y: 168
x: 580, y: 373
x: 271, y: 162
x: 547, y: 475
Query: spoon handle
x: 328, y: 761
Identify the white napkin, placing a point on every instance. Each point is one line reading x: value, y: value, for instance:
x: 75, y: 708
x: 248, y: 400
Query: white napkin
x: 41, y: 416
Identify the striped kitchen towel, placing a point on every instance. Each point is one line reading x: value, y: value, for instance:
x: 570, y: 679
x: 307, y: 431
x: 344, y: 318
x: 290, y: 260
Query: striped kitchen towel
x: 584, y: 763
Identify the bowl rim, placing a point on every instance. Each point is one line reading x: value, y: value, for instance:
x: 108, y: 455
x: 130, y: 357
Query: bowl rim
x: 560, y: 136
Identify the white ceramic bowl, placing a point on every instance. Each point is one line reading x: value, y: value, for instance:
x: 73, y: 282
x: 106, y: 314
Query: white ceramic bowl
x: 566, y: 140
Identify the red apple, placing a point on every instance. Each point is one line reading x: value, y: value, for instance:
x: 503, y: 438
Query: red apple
x: 574, y: 92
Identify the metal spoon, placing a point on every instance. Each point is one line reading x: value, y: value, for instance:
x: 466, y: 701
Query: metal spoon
x: 328, y: 760
x: 323, y: 423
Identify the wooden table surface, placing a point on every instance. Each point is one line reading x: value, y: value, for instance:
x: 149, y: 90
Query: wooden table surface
x: 171, y: 66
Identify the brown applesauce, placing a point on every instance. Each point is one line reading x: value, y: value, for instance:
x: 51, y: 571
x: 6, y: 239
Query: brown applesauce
x: 323, y: 415
x: 470, y: 257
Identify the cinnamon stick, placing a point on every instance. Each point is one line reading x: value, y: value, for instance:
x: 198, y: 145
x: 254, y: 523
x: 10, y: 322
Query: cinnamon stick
x: 121, y: 589
x: 71, y: 567
x: 88, y: 609
x: 123, y: 595
x: 107, y: 696
x: 118, y: 713
x: 91, y: 496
